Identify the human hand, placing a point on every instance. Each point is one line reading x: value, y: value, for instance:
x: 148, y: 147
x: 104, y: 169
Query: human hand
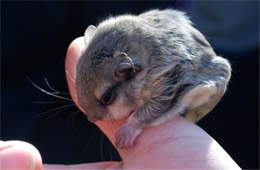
x: 176, y: 144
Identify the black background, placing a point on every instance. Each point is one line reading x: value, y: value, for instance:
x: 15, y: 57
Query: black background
x: 34, y: 39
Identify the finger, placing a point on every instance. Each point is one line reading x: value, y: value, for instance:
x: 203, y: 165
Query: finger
x: 19, y: 155
x: 73, y: 54
x: 102, y: 165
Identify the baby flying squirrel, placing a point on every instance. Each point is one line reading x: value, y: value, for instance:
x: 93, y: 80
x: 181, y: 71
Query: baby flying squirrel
x: 150, y: 67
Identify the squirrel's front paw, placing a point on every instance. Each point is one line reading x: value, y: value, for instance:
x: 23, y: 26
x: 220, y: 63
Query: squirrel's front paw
x: 125, y: 136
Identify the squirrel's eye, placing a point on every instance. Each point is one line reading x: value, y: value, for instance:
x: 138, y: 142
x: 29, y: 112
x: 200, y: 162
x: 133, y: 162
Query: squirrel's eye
x: 108, y: 97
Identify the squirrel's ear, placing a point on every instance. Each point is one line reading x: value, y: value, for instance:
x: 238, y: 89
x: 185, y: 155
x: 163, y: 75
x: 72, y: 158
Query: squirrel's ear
x: 126, y: 69
x: 89, y: 33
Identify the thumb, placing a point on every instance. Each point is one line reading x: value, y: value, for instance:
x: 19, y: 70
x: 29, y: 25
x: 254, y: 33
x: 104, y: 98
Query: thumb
x: 19, y: 155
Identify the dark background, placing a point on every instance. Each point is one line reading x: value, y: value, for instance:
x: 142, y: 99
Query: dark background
x: 34, y: 39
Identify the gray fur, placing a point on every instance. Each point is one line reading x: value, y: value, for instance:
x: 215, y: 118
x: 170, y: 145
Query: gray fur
x: 174, y: 58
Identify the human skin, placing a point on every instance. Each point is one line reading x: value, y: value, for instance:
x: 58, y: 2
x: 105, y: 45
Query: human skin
x: 19, y: 155
x: 175, y: 144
